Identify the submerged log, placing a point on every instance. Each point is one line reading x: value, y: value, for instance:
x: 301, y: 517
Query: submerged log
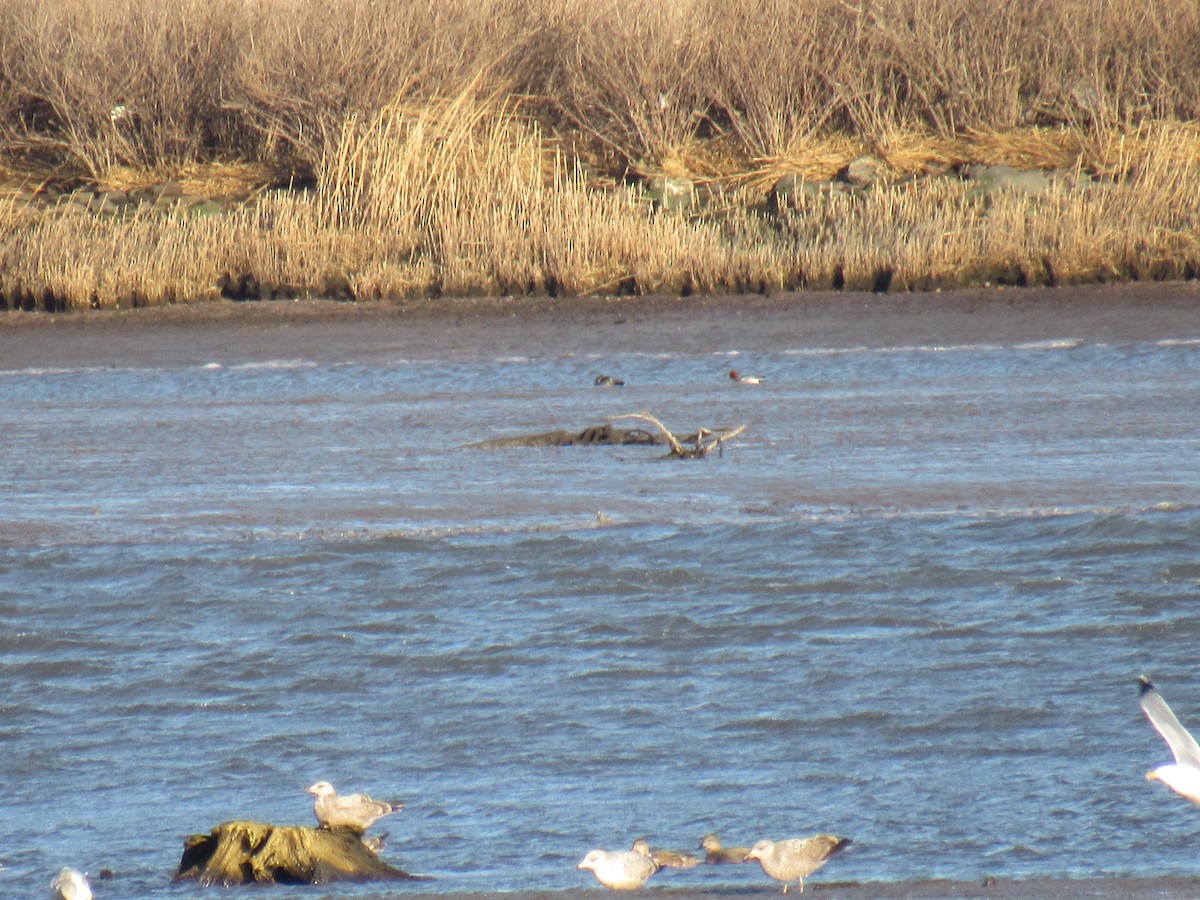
x: 701, y: 445
x: 606, y: 434
x: 255, y: 852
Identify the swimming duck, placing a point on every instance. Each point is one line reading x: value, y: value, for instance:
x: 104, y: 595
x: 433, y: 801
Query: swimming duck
x: 735, y: 375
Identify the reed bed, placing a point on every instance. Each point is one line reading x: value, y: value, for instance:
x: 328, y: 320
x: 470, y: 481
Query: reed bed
x: 496, y: 147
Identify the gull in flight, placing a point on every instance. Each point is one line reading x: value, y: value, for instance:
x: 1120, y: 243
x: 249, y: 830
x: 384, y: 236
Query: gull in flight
x: 70, y: 885
x: 795, y: 858
x: 621, y: 870
x: 1183, y: 775
x: 357, y: 812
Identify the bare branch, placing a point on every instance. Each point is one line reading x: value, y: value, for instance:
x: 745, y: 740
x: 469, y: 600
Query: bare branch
x: 679, y: 451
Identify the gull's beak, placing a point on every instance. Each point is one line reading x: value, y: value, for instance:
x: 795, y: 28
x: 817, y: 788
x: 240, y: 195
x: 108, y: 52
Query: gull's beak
x: 1152, y: 776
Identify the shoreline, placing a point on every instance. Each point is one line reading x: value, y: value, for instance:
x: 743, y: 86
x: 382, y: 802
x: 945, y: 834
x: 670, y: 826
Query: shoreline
x: 229, y: 333
x: 268, y: 313
x: 1100, y: 888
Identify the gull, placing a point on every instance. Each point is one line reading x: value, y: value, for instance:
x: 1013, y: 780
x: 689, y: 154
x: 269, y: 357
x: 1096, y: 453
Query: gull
x: 1182, y: 776
x: 621, y: 870
x: 70, y: 885
x: 357, y: 812
x: 715, y: 853
x: 735, y: 375
x: 665, y: 859
x: 376, y: 844
x: 795, y: 858
x: 608, y: 381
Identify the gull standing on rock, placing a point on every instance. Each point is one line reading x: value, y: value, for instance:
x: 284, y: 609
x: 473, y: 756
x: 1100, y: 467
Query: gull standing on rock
x: 795, y: 858
x: 621, y: 870
x: 1182, y: 776
x: 357, y: 812
x: 70, y: 885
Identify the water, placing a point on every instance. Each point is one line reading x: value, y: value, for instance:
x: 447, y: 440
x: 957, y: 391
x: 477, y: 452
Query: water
x: 909, y: 605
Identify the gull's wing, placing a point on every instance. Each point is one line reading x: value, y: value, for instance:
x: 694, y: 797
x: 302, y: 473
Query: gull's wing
x: 1183, y: 745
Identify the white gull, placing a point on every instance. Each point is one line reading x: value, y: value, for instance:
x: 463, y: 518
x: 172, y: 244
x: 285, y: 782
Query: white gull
x: 621, y: 870
x: 1182, y: 776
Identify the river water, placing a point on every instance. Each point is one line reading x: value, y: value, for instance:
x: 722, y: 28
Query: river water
x: 908, y: 605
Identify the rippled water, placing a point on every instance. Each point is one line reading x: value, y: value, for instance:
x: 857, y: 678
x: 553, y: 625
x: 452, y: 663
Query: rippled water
x: 909, y: 605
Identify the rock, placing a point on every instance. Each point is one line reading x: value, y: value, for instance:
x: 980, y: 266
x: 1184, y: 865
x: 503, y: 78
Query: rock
x: 789, y: 190
x: 860, y: 172
x: 143, y: 195
x: 670, y: 194
x: 108, y: 203
x: 197, y: 207
x: 18, y: 197
x: 255, y: 852
x: 117, y: 198
x: 167, y: 190
x: 1072, y: 179
x: 990, y: 180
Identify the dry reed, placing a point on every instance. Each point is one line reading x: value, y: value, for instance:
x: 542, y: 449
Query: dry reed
x: 457, y: 147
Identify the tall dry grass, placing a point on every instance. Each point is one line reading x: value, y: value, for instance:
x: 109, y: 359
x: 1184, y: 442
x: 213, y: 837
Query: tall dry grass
x: 456, y: 147
x: 641, y: 79
x: 93, y: 85
x: 466, y: 198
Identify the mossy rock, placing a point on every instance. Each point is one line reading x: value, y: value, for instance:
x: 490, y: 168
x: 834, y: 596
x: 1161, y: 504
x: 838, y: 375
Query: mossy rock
x: 257, y: 853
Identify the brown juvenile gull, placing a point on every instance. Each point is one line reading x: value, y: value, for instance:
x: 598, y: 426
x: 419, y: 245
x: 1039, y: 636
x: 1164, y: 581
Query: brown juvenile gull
x: 665, y: 859
x: 357, y: 812
x: 715, y: 853
x: 795, y: 858
x: 70, y: 885
x: 621, y: 870
x: 1182, y: 776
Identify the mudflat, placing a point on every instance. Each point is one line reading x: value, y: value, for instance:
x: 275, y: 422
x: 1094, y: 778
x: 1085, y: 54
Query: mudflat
x: 227, y: 331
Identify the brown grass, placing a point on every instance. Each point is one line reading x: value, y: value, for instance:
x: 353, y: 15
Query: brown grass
x: 456, y: 147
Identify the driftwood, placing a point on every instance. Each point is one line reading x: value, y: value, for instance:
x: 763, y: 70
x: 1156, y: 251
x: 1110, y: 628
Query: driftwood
x: 701, y: 447
x: 597, y: 435
x: 254, y: 852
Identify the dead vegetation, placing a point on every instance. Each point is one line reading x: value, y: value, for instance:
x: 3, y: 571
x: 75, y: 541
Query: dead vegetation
x: 704, y: 441
x: 494, y: 147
